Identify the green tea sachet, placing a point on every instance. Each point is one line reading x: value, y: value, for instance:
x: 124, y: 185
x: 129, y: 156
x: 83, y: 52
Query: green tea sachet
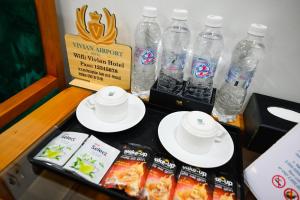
x: 61, y: 148
x: 92, y: 160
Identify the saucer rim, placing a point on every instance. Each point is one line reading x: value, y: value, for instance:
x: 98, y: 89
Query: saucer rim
x: 172, y: 132
x: 136, y: 100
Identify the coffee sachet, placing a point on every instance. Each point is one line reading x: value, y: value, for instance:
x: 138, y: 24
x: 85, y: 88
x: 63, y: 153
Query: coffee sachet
x: 160, y: 183
x: 224, y: 188
x: 130, y: 170
x: 192, y: 184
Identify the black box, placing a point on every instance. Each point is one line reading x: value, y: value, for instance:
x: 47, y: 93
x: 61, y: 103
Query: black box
x: 179, y: 102
x: 263, y: 129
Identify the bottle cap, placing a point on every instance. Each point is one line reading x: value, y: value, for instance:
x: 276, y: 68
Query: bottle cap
x: 180, y: 14
x: 214, y: 21
x: 149, y: 11
x: 257, y: 29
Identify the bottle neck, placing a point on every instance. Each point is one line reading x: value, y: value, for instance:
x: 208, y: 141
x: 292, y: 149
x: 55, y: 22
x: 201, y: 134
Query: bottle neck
x: 149, y: 19
x: 179, y: 23
x: 255, y: 38
x: 214, y: 30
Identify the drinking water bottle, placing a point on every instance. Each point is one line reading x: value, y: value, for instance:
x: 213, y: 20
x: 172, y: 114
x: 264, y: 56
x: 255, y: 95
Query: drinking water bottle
x: 206, y: 53
x: 175, y: 42
x: 147, y: 38
x: 245, y: 58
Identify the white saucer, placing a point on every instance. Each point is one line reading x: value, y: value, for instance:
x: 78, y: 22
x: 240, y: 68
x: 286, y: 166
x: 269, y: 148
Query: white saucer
x: 87, y: 117
x: 219, y: 154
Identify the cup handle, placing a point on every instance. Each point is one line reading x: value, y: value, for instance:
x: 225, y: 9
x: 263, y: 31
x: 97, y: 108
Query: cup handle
x: 90, y: 103
x: 220, y: 135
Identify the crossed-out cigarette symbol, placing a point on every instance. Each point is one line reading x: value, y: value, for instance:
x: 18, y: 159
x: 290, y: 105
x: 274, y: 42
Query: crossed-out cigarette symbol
x: 278, y: 181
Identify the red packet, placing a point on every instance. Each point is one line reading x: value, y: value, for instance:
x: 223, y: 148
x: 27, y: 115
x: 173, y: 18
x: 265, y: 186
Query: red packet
x: 160, y: 183
x: 130, y: 170
x: 192, y: 184
x: 224, y: 189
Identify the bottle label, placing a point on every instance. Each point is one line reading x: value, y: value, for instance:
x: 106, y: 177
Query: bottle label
x: 145, y: 56
x: 173, y: 62
x: 201, y: 68
x: 239, y: 78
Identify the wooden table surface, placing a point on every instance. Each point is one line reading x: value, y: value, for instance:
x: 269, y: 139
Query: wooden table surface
x: 18, y: 138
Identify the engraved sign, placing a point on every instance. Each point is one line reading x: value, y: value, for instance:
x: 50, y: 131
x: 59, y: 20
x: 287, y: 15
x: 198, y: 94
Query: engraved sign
x: 95, y: 59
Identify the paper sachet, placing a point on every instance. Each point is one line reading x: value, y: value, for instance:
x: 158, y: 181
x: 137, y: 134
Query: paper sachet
x: 61, y: 148
x: 192, y: 184
x: 160, y: 182
x: 92, y: 160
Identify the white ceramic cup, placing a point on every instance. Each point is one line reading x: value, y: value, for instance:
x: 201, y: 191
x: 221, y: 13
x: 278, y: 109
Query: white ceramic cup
x: 197, y: 132
x: 109, y: 103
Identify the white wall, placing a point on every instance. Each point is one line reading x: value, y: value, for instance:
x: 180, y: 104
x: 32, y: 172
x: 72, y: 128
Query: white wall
x: 277, y: 75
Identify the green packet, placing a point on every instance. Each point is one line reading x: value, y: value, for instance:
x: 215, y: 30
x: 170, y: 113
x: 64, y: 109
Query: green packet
x: 92, y: 160
x: 61, y: 148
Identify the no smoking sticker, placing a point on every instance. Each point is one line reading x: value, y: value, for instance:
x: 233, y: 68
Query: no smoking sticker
x: 291, y: 194
x: 278, y: 181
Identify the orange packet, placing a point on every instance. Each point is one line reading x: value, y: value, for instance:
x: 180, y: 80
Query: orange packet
x: 224, y: 189
x: 192, y: 184
x: 160, y: 183
x: 129, y: 171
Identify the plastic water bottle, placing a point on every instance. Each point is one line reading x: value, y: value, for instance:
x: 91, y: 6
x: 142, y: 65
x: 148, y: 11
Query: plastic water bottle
x: 206, y: 53
x: 245, y: 58
x: 175, y: 42
x: 147, y: 38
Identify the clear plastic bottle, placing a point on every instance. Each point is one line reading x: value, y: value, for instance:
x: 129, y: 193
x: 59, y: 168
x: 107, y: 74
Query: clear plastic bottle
x: 207, y: 50
x: 175, y: 42
x: 245, y: 58
x: 147, y: 38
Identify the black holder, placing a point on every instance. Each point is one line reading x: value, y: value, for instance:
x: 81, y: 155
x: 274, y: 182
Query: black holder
x: 144, y: 133
x: 180, y: 102
x: 262, y: 129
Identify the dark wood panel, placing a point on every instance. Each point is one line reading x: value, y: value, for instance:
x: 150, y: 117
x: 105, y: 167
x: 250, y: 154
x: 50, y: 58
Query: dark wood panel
x: 23, y: 100
x: 47, y: 20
